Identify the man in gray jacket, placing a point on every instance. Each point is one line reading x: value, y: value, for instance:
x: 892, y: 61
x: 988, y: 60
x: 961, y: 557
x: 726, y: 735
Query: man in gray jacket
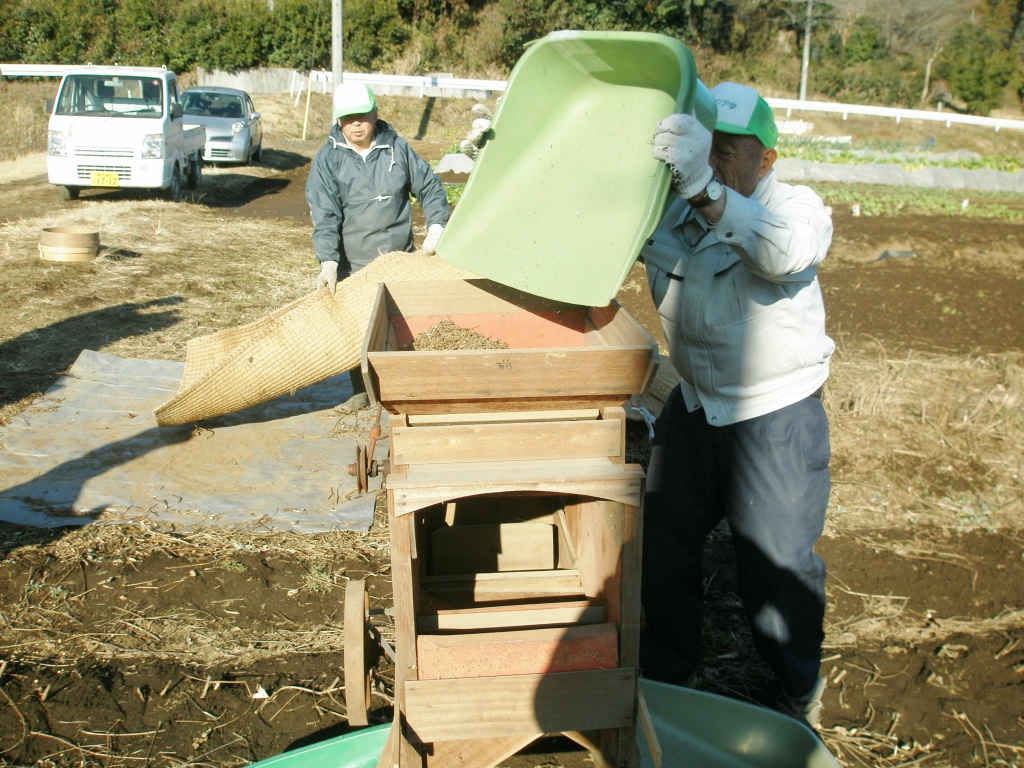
x: 732, y: 268
x: 359, y: 186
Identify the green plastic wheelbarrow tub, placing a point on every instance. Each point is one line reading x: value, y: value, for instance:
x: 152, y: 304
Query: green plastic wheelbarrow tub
x: 359, y: 749
x: 693, y: 728
x: 565, y: 190
x: 699, y: 728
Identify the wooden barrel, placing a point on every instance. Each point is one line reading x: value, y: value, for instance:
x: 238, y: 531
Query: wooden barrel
x: 69, y: 244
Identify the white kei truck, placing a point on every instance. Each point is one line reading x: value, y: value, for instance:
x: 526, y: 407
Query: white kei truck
x: 115, y: 127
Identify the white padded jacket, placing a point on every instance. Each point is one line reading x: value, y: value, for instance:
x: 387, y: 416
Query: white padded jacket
x: 740, y: 303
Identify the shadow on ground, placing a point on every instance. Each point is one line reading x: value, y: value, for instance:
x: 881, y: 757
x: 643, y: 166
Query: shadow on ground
x: 46, y: 350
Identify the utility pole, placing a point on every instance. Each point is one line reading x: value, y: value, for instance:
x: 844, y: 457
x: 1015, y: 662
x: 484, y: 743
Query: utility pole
x: 805, y: 63
x: 336, y: 48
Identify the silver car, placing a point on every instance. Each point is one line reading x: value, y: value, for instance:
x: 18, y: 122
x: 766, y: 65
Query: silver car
x: 234, y: 133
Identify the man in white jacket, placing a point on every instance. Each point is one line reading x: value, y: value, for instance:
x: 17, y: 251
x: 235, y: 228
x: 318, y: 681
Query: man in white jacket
x: 732, y: 268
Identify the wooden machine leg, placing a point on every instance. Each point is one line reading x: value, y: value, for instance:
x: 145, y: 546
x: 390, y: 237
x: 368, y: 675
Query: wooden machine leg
x: 389, y: 755
x: 357, y: 638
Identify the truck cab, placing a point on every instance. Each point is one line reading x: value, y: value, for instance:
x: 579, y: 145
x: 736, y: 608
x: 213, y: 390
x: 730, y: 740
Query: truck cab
x: 114, y: 127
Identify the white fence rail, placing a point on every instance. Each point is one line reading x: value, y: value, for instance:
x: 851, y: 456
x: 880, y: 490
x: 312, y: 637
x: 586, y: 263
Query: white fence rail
x: 949, y: 118
x: 437, y: 85
x: 420, y: 86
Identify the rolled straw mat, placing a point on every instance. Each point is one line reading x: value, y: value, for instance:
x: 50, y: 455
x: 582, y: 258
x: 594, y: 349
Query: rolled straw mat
x: 300, y: 344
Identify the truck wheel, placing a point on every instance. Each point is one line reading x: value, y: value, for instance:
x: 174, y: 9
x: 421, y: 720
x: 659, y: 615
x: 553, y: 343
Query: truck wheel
x: 174, y: 190
x: 195, y: 174
x: 67, y: 193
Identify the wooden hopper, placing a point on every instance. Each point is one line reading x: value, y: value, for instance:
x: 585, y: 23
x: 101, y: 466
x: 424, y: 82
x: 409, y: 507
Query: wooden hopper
x: 559, y: 356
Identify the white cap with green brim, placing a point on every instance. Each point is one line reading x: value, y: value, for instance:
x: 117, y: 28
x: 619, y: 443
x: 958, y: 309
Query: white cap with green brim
x: 741, y: 111
x: 352, y: 99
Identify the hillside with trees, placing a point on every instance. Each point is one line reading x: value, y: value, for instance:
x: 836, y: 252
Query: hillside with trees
x: 968, y: 54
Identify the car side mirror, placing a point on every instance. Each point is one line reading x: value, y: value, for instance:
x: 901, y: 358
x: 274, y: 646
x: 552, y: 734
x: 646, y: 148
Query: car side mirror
x: 255, y: 116
x: 49, y: 106
x: 177, y: 110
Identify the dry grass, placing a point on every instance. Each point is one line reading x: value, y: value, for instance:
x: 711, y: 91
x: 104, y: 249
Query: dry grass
x: 197, y: 636
x: 926, y: 440
x: 24, y: 167
x: 23, y: 116
x: 902, y: 428
x: 439, y: 121
x: 917, y: 439
x: 216, y: 270
x: 870, y: 622
x: 166, y: 273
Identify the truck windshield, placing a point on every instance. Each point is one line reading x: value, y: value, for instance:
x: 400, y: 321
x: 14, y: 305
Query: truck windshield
x: 111, y: 96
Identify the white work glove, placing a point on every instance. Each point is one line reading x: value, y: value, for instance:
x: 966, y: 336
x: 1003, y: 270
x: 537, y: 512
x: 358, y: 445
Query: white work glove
x: 684, y: 144
x: 328, y: 277
x: 433, y: 235
x: 477, y: 136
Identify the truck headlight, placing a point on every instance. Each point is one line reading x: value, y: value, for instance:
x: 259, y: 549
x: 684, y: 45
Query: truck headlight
x: 153, y: 146
x: 56, y: 143
x: 237, y: 128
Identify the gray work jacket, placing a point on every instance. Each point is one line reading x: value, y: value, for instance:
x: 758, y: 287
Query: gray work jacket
x: 360, y: 207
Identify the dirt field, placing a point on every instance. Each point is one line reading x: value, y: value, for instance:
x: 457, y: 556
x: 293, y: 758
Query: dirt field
x: 131, y: 646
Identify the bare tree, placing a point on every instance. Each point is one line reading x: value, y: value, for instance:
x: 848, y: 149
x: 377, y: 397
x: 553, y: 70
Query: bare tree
x: 908, y: 26
x: 928, y: 29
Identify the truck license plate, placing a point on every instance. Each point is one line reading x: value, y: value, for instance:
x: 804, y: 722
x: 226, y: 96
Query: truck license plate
x: 103, y: 179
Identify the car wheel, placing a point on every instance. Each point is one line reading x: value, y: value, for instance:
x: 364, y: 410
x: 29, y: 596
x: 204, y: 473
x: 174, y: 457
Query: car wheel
x: 67, y: 193
x: 174, y: 190
x: 257, y: 155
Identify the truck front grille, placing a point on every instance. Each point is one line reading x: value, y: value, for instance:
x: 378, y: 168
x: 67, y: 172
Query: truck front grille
x: 87, y: 151
x: 123, y: 172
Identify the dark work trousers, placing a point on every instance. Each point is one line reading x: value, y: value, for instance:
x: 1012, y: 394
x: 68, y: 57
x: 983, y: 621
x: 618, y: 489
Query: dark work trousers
x: 768, y: 477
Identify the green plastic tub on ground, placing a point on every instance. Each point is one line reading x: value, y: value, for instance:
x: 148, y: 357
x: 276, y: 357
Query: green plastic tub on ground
x: 699, y: 728
x: 359, y: 749
x: 693, y: 727
x: 565, y: 191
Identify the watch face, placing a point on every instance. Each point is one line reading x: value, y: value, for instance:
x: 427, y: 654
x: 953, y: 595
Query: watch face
x: 714, y: 189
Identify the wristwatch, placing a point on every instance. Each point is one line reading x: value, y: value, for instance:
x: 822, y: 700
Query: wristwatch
x: 711, y: 193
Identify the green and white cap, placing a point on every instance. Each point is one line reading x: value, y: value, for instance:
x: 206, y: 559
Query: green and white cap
x: 352, y: 99
x: 742, y: 111
x: 704, y: 107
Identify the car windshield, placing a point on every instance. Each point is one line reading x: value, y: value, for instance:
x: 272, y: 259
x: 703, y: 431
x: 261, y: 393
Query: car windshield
x: 111, y: 96
x: 210, y: 104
